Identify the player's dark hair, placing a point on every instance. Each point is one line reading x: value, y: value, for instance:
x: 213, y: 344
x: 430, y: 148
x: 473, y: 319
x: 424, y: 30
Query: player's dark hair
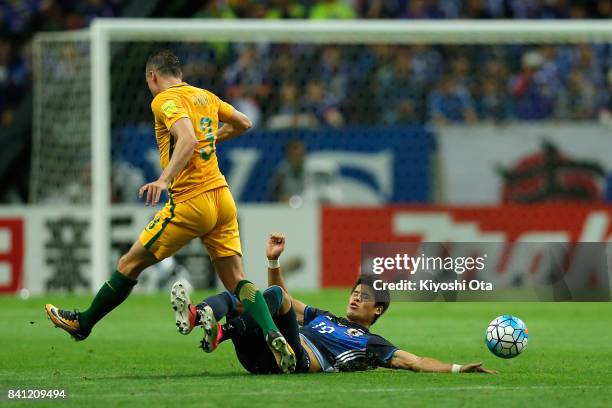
x: 165, y: 62
x: 381, y: 297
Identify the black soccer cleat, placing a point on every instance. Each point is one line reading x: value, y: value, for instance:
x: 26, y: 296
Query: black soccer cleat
x: 283, y: 353
x: 67, y: 320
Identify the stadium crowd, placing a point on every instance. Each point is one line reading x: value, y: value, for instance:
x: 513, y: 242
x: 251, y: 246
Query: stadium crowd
x: 282, y: 86
x: 298, y: 86
x: 19, y: 21
x: 286, y: 87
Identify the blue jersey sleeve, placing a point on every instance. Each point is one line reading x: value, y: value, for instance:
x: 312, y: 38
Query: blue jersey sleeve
x: 310, y: 313
x: 380, y: 350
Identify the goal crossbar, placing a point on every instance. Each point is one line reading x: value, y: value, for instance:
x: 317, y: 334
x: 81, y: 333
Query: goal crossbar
x: 347, y: 32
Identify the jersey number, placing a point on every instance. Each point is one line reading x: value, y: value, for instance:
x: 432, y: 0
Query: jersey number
x: 323, y: 328
x: 206, y: 127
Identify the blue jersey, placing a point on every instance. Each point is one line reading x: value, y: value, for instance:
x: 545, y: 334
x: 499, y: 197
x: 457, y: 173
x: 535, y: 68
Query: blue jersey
x: 346, y: 346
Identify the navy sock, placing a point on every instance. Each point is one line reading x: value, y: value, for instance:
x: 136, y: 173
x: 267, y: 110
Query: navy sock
x: 221, y: 304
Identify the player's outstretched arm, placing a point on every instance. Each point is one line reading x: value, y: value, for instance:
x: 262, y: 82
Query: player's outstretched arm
x: 274, y: 248
x: 408, y: 361
x: 236, y: 125
x: 186, y: 143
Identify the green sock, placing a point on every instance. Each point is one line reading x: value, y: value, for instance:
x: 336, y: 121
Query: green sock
x: 111, y: 294
x: 255, y: 304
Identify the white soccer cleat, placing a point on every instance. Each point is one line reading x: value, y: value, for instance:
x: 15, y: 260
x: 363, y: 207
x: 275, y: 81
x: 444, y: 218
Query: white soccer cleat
x: 184, y: 310
x: 212, y: 330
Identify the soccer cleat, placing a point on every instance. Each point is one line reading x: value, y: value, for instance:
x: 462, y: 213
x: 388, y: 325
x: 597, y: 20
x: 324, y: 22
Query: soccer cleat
x: 185, y: 311
x: 212, y: 330
x: 67, y: 320
x: 283, y: 353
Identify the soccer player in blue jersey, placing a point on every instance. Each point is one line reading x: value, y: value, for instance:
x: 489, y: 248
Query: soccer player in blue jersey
x: 322, y: 341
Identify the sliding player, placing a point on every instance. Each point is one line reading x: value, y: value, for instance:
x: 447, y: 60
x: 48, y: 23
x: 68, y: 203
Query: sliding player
x: 324, y: 343
x: 200, y: 204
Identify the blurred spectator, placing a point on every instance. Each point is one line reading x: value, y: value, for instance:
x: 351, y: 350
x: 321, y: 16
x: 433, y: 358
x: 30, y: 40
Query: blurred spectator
x: 204, y: 66
x: 461, y: 70
x: 15, y: 72
x: 605, y: 102
x: 426, y: 64
x: 551, y: 9
x: 493, y: 102
x: 451, y: 103
x: 398, y: 98
x: 579, y: 102
x: 285, y: 9
x: 321, y: 106
x: 586, y: 61
x: 247, y: 83
x: 379, y: 8
x: 5, y: 82
x: 529, y: 89
x: 331, y: 9
x: 216, y: 9
x: 289, y: 112
x: 523, y: 9
x: 603, y: 9
x: 286, y: 65
x: 289, y: 177
x: 334, y: 73
x: 422, y: 9
x: 249, y: 70
x: 90, y: 9
x: 476, y: 9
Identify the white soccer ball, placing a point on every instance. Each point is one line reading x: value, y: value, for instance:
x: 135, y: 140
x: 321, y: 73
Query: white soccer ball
x: 506, y: 336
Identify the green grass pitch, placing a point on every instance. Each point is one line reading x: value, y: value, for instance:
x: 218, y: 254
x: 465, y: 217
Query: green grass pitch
x: 136, y: 358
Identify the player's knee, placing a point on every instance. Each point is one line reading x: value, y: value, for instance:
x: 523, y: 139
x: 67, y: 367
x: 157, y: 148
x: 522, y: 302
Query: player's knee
x: 129, y: 266
x: 286, y: 303
x: 230, y: 271
x: 280, y: 296
x: 124, y: 264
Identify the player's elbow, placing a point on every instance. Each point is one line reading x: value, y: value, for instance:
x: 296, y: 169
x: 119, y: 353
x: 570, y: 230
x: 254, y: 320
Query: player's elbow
x: 245, y: 123
x: 242, y: 122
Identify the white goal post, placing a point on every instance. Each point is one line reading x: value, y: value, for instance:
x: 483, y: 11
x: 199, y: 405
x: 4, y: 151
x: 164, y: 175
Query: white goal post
x: 105, y: 31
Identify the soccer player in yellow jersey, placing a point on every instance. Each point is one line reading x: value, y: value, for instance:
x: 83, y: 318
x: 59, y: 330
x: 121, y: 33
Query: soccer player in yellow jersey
x: 200, y: 206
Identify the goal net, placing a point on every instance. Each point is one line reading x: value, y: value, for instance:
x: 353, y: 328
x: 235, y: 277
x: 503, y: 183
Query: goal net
x: 93, y: 143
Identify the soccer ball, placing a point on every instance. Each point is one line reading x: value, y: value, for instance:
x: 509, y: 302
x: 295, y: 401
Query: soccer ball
x: 506, y: 336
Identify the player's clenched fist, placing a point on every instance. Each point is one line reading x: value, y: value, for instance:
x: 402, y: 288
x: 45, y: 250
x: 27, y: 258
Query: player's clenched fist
x: 153, y: 191
x: 276, y: 245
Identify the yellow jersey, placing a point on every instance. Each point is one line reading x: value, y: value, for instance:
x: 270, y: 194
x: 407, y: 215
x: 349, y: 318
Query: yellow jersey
x: 205, y: 110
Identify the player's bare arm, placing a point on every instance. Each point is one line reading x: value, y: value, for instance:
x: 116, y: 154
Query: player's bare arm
x: 274, y: 248
x: 407, y: 361
x: 186, y: 143
x: 236, y: 125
